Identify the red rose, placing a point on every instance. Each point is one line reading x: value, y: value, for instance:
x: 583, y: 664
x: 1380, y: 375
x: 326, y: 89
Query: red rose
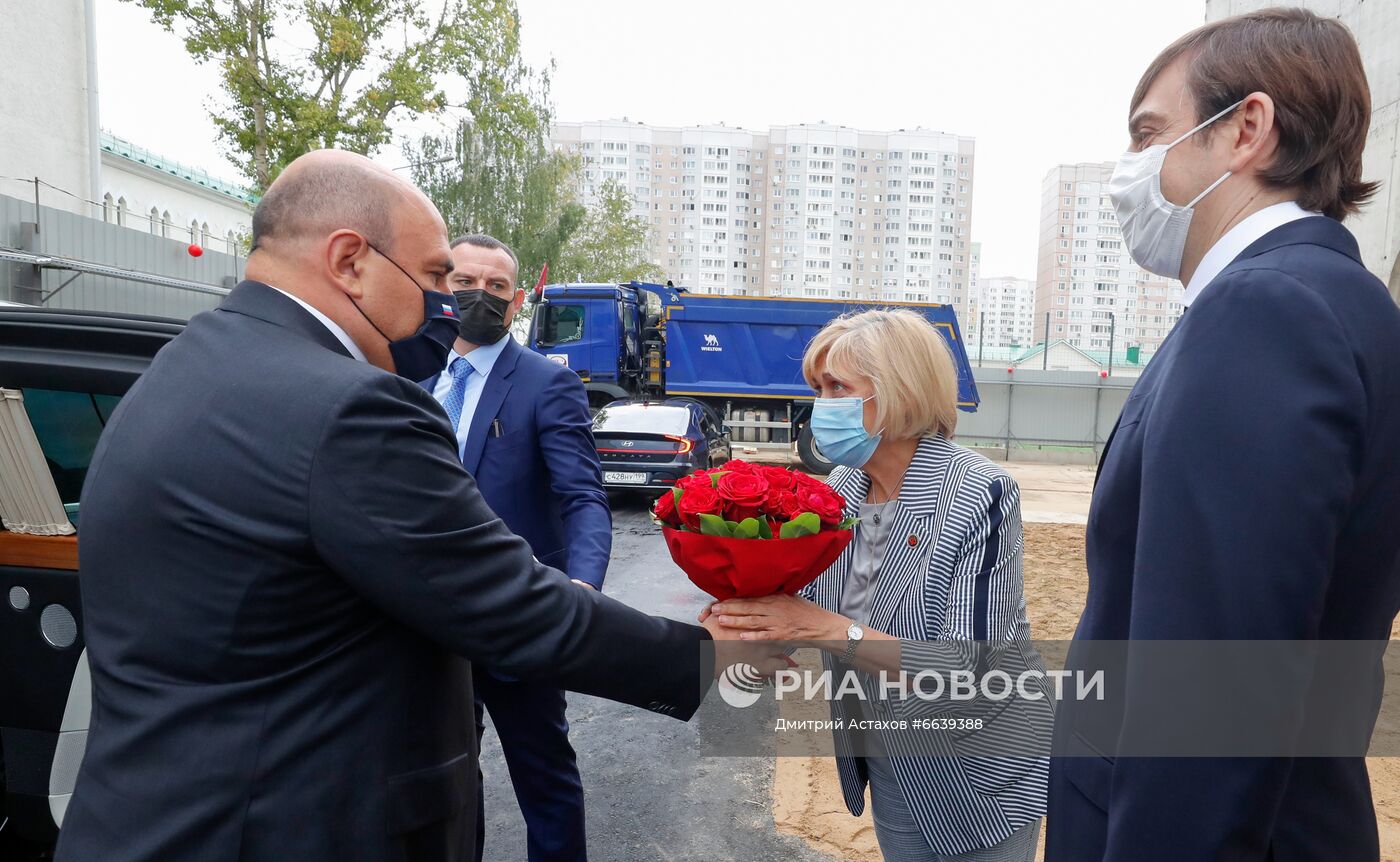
x: 738, y: 467
x: 781, y: 505
x: 809, y: 482
x: 698, y: 479
x: 665, y: 510
x: 696, y: 500
x: 779, y: 477
x: 743, y: 492
x: 824, y: 502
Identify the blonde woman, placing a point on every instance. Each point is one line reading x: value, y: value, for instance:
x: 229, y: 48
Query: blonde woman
x: 931, y: 581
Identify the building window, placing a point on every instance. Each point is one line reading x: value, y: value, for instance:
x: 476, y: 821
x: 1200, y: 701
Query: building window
x: 109, y: 208
x: 165, y: 224
x: 121, y: 210
x: 155, y: 221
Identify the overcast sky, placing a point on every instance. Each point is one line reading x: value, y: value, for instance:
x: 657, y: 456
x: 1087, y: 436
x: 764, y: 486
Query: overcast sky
x: 1036, y: 83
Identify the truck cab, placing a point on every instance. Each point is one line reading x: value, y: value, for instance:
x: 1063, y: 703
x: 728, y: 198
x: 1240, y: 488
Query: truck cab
x: 598, y: 331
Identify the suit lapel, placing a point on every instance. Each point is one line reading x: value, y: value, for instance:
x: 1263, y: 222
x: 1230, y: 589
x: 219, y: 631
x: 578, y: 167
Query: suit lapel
x: 852, y: 485
x: 906, y: 558
x: 493, y: 395
x: 914, y: 534
x: 1144, y: 381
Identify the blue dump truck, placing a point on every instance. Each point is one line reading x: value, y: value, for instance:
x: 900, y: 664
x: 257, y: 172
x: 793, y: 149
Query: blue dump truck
x: 739, y: 356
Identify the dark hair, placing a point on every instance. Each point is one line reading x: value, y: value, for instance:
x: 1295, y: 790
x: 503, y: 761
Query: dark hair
x: 1311, y: 68
x: 327, y: 197
x: 481, y: 240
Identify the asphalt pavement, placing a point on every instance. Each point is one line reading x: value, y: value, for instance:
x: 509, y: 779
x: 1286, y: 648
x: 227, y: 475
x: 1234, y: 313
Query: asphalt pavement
x: 650, y: 792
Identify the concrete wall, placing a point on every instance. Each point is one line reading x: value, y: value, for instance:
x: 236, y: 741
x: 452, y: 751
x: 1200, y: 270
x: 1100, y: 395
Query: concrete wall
x: 44, y: 128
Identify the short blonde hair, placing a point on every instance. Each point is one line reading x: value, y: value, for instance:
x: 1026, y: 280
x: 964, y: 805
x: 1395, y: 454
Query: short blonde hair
x: 916, y: 383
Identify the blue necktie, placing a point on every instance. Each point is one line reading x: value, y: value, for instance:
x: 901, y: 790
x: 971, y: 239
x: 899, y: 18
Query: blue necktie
x: 460, y: 369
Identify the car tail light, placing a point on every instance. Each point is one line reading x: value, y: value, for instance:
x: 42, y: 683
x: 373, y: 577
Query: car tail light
x: 683, y: 444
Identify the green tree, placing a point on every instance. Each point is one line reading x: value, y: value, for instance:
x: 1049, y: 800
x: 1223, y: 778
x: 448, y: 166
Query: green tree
x: 612, y: 243
x: 496, y: 173
x: 366, y: 60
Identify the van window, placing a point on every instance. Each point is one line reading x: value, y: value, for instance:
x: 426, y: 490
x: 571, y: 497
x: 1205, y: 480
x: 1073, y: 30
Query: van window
x: 561, y: 325
x: 68, y: 425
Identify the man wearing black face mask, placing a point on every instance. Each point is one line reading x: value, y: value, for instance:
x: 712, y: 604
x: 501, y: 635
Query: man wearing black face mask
x: 525, y: 435
x: 286, y: 573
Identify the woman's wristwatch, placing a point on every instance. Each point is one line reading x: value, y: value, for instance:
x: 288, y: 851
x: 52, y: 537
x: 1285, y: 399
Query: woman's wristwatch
x: 854, y: 634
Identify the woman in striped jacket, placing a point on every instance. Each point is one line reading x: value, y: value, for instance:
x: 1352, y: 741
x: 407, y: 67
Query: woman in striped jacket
x: 931, y: 585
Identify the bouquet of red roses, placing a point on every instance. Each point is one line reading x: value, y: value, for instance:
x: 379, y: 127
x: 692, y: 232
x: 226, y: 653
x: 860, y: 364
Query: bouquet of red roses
x: 746, y: 530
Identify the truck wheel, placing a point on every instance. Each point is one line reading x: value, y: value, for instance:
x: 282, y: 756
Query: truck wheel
x: 812, y: 457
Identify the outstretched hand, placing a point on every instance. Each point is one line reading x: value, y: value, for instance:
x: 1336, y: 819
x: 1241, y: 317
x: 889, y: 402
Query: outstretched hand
x: 779, y: 618
x: 731, y: 650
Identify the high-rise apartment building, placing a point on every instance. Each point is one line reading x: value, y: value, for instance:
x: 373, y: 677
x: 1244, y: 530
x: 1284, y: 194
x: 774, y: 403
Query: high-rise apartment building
x: 1006, y: 311
x: 1085, y: 279
x: 812, y: 210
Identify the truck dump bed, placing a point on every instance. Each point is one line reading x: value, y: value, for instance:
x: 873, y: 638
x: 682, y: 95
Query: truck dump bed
x: 743, y: 347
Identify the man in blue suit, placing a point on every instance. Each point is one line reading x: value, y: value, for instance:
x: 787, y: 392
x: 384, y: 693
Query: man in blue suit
x: 1251, y: 489
x: 525, y: 434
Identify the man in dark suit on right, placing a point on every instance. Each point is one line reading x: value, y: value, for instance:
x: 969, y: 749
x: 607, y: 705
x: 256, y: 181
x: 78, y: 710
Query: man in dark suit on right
x: 1251, y: 489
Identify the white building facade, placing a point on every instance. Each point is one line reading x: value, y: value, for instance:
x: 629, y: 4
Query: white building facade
x: 1006, y: 308
x: 1095, y: 294
x: 144, y: 191
x: 48, y: 109
x: 49, y: 129
x: 812, y: 210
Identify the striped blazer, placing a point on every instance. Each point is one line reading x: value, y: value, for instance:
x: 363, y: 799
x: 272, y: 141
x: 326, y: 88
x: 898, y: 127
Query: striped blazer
x: 950, y: 589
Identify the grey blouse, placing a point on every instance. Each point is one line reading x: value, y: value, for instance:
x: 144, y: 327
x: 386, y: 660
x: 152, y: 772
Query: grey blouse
x: 872, y: 537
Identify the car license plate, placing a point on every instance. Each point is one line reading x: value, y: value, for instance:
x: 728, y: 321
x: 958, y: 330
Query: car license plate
x: 625, y: 478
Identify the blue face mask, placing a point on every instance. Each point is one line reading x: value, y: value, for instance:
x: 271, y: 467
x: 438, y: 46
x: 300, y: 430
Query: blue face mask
x: 838, y: 426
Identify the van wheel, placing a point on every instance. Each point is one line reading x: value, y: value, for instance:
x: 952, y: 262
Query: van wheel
x: 812, y: 457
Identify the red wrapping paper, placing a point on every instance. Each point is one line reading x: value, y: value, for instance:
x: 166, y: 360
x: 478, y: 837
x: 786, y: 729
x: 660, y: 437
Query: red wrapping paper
x: 748, y: 568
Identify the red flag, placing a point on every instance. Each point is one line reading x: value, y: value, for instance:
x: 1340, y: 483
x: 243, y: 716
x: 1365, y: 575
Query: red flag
x: 539, y: 285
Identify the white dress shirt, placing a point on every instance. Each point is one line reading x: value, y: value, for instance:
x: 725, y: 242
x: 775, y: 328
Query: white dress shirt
x: 1236, y: 240
x: 340, y: 334
x: 482, y: 360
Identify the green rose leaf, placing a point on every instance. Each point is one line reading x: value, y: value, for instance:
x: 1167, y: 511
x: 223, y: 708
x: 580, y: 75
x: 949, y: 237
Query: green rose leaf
x: 676, y: 493
x: 748, y: 529
x: 805, y: 524
x: 848, y: 524
x: 764, y: 530
x: 713, y: 525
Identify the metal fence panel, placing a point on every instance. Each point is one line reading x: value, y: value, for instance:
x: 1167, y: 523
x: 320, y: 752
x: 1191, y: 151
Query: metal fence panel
x: 1043, y: 409
x: 64, y: 233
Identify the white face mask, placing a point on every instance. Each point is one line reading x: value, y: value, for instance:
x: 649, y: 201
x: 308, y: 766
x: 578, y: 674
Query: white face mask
x: 1154, y: 228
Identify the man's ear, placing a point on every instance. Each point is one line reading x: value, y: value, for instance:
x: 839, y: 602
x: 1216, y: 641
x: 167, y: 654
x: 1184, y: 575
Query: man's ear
x: 346, y: 252
x: 516, y: 304
x: 1256, y: 138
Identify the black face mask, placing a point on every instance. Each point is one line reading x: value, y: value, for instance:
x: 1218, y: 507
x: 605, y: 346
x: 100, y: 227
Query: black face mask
x: 422, y: 354
x: 483, y: 316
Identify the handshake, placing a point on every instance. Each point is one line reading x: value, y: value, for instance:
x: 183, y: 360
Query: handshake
x: 761, y: 631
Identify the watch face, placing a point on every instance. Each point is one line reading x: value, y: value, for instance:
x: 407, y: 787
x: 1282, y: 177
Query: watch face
x: 854, y: 632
